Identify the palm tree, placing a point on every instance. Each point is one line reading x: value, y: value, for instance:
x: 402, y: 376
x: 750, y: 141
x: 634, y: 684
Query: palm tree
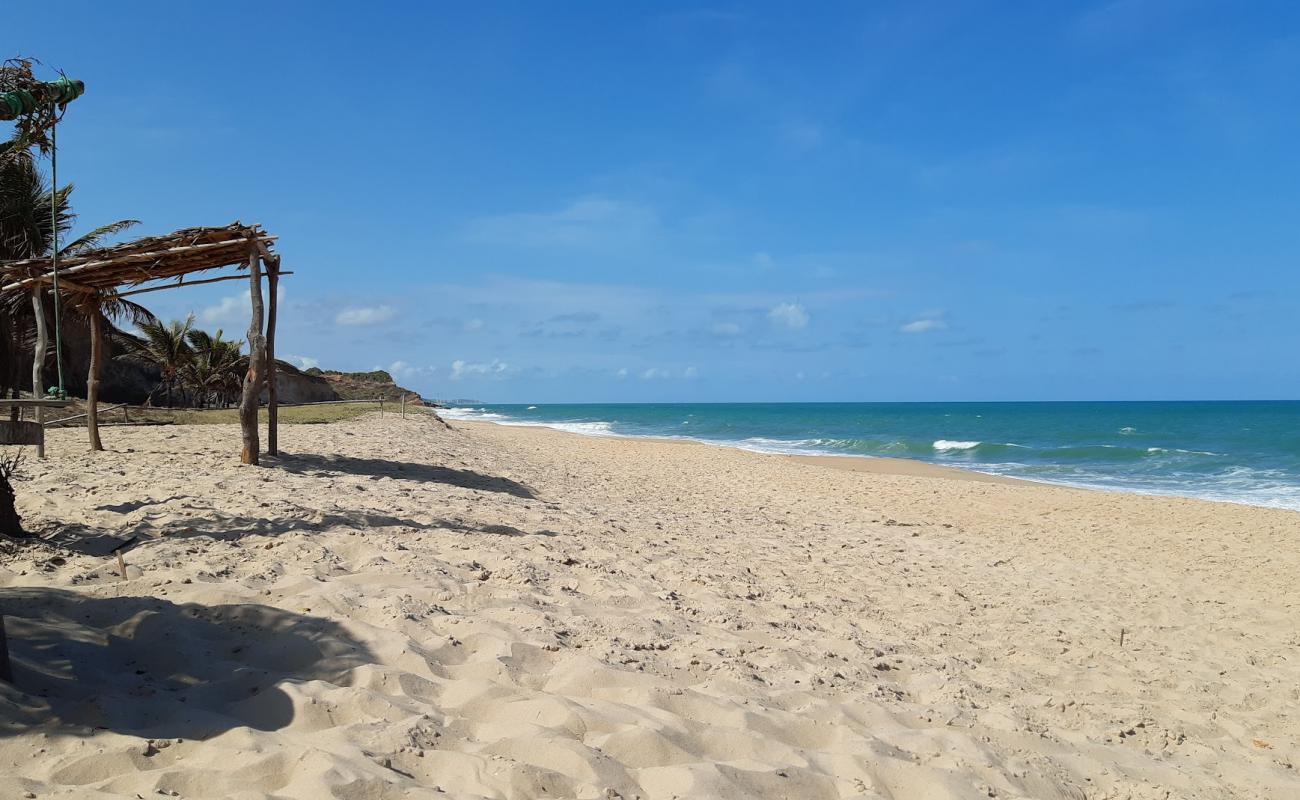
x: 167, y: 348
x: 216, y: 370
x: 30, y: 211
x: 26, y: 203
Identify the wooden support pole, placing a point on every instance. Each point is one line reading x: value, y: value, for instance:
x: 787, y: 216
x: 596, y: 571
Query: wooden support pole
x: 403, y: 406
x: 272, y: 404
x: 38, y: 360
x: 256, y: 361
x: 92, y: 379
x: 6, y: 671
x: 381, y: 408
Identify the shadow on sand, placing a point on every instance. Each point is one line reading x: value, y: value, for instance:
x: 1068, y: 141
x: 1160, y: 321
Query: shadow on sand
x: 151, y: 668
x: 311, y: 463
x: 88, y: 540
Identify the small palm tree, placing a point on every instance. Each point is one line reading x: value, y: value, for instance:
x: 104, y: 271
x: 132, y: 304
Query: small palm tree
x: 167, y: 348
x: 216, y: 370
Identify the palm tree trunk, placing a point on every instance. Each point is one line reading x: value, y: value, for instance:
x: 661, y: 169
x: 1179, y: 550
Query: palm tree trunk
x: 92, y: 380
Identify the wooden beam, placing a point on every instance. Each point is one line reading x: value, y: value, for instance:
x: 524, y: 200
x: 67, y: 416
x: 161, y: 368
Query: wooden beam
x: 38, y: 359
x: 183, y: 284
x: 64, y: 283
x: 92, y: 380
x: 272, y: 410
x: 27, y: 402
x: 125, y: 259
x: 256, y: 361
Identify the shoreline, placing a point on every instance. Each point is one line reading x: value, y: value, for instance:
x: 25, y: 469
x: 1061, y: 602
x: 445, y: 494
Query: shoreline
x: 881, y: 465
x: 889, y: 465
x: 878, y: 465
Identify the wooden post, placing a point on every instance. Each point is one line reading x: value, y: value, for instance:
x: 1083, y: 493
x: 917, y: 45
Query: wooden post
x: 6, y: 672
x: 272, y: 405
x: 256, y: 362
x: 381, y: 408
x: 92, y: 380
x: 126, y: 415
x: 38, y: 360
x: 403, y: 406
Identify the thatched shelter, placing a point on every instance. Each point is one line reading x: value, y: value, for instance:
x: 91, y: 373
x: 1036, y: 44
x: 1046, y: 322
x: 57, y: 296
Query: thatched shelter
x: 164, y: 262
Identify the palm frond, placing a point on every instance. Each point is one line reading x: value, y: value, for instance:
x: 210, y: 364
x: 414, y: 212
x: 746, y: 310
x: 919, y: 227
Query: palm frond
x: 95, y: 238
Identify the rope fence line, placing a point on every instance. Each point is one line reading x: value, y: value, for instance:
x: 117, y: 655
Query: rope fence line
x: 127, y: 408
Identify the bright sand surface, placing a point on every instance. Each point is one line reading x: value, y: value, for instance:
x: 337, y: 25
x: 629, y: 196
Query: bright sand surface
x: 523, y: 613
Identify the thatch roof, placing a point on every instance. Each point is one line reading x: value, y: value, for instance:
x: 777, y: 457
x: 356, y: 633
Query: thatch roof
x: 154, y: 258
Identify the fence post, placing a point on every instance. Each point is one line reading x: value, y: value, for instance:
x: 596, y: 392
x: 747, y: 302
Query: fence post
x: 381, y: 408
x: 403, y: 406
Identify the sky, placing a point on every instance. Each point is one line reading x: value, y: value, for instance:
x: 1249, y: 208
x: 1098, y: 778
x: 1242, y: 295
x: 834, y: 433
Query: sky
x: 607, y: 202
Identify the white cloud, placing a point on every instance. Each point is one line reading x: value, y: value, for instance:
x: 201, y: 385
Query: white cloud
x: 789, y: 315
x: 763, y: 260
x: 473, y: 326
x: 621, y: 374
x: 373, y: 315
x: 401, y: 369
x: 462, y: 369
x: 588, y: 221
x: 234, y: 310
x: 301, y: 362
x: 926, y: 324
x: 659, y: 373
x: 726, y: 329
x: 231, y: 309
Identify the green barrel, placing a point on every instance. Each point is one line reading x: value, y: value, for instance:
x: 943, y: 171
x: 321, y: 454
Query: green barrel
x: 25, y: 101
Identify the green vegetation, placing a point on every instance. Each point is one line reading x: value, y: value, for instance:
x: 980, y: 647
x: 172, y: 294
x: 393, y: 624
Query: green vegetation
x: 195, y: 367
x: 364, y: 385
x: 290, y: 415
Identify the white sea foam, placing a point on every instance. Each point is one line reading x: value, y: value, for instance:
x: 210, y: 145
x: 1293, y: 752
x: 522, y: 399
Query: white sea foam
x: 789, y: 447
x: 469, y: 414
x: 530, y: 408
x: 945, y: 444
x: 1154, y: 450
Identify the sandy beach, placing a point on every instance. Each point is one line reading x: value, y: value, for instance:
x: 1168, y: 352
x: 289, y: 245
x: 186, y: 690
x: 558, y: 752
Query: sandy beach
x: 395, y: 609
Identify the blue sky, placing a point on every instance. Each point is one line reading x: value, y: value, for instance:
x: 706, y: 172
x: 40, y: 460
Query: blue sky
x: 644, y: 202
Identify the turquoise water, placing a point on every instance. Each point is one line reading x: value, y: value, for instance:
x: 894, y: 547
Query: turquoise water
x: 1242, y: 452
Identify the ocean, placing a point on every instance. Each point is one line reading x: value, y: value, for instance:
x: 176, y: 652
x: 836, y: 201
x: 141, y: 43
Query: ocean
x: 1240, y: 452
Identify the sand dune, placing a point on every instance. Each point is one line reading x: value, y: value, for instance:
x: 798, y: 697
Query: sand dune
x: 401, y: 611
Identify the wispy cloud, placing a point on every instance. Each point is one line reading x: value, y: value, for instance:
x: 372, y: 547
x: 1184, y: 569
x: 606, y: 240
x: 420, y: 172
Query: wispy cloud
x: 789, y: 315
x: 404, y: 371
x: 301, y: 362
x: 662, y: 373
x: 485, y: 369
x: 926, y: 322
x: 229, y: 309
x: 591, y: 221
x: 373, y: 315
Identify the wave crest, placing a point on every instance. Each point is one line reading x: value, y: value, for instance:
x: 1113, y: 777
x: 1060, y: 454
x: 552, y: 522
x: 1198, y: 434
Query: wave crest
x: 946, y: 444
